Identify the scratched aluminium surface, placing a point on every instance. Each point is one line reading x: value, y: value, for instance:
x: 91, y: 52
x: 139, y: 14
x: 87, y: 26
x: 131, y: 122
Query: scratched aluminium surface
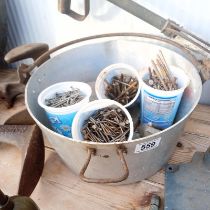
x: 59, y: 188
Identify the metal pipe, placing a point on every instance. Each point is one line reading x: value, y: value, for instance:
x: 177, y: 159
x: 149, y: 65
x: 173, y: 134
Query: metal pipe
x: 167, y: 27
x: 141, y: 12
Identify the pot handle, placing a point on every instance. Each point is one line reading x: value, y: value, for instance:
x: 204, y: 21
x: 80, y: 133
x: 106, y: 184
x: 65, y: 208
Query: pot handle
x: 92, y: 151
x: 10, y: 89
x: 33, y: 51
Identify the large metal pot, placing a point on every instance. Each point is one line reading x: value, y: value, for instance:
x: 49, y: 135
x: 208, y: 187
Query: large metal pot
x: 82, y: 61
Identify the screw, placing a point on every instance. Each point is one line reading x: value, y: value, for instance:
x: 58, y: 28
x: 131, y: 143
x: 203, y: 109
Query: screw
x: 106, y: 125
x: 159, y: 75
x: 150, y: 82
x: 122, y: 88
x: 65, y: 99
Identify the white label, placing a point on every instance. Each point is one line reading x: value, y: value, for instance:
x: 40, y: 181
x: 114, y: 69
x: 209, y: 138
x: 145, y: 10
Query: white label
x: 146, y: 146
x: 159, y: 106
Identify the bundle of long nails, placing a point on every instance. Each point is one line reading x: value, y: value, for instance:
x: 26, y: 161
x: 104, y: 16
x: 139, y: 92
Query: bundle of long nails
x: 107, y: 125
x: 64, y: 99
x: 122, y: 88
x: 160, y: 76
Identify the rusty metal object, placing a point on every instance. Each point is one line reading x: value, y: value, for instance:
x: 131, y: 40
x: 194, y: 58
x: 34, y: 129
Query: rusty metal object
x: 17, y: 128
x: 13, y: 83
x: 28, y: 138
x: 16, y: 203
x: 92, y: 152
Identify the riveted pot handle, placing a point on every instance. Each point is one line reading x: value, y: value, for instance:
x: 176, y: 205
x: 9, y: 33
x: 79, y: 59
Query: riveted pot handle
x: 33, y: 50
x: 91, y: 152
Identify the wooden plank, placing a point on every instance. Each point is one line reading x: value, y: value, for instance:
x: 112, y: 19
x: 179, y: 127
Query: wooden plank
x: 94, y: 196
x: 10, y: 166
x: 199, y: 121
x: 202, y: 109
x: 59, y: 188
x: 198, y: 127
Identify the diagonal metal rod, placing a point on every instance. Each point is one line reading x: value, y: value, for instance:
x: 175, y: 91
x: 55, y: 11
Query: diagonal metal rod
x: 167, y: 27
x: 140, y: 12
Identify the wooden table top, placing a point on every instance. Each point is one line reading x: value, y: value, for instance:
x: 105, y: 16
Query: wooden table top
x: 59, y: 188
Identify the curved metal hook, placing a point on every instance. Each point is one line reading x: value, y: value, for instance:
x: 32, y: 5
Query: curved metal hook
x: 64, y: 6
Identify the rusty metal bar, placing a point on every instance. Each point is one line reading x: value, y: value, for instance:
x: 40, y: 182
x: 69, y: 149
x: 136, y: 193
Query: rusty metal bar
x: 92, y: 151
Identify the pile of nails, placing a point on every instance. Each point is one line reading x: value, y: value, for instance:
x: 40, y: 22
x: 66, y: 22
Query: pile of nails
x: 159, y: 75
x: 64, y: 99
x: 122, y: 88
x: 107, y: 125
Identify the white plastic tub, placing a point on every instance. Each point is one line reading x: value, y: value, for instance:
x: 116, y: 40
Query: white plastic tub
x: 115, y: 70
x: 159, y: 107
x: 61, y: 118
x: 90, y: 109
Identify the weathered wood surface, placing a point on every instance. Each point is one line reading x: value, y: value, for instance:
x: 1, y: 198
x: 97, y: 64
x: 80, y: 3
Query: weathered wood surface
x: 59, y: 188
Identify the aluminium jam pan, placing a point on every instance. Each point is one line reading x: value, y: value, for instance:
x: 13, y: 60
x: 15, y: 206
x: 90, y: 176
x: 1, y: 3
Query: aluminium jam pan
x: 82, y: 60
